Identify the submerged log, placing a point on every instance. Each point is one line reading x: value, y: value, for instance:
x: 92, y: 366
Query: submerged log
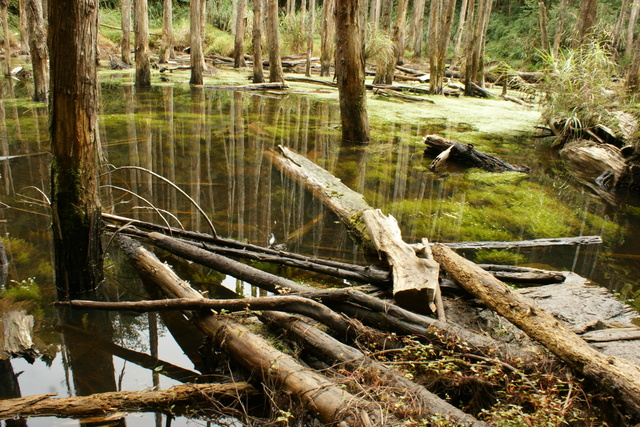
x: 414, y: 279
x: 324, y: 399
x: 172, y: 400
x: 618, y: 376
x: 468, y: 156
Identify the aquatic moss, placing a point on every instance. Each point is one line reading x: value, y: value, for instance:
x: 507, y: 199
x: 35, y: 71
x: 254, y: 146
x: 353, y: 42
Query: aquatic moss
x: 499, y: 256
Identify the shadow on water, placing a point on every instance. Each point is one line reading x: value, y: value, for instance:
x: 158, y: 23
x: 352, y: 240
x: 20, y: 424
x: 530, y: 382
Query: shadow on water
x: 211, y: 144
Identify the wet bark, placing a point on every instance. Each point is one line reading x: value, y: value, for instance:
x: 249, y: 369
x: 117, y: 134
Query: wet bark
x: 38, y: 49
x: 258, y: 73
x: 273, y: 41
x: 618, y: 376
x: 141, y: 30
x: 350, y: 72
x: 125, y: 43
x: 166, y: 48
x: 400, y: 30
x: 73, y: 41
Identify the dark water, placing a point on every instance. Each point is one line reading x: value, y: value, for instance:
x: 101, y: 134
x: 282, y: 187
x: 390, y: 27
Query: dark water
x: 212, y: 144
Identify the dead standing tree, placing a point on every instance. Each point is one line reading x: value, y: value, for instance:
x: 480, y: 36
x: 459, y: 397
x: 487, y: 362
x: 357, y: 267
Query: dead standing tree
x: 350, y: 72
x: 73, y: 43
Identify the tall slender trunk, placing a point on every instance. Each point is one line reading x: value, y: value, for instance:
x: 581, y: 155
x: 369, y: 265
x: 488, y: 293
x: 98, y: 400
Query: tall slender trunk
x: 562, y: 17
x: 24, y: 27
x: 441, y: 18
x: 38, y: 49
x: 633, y: 18
x: 7, y: 42
x: 622, y: 16
x: 166, y: 48
x: 350, y: 72
x: 474, y: 65
x: 543, y: 19
x: 73, y: 44
x: 141, y: 30
x: 400, y: 31
x: 195, y: 24
x: 273, y: 40
x: 417, y: 28
x: 461, y: 28
x: 327, y: 37
x: 310, y: 25
x: 125, y: 43
x: 238, y: 49
x: 258, y: 75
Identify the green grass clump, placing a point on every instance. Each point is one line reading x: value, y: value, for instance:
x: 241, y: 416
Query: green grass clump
x: 25, y: 290
x: 499, y: 256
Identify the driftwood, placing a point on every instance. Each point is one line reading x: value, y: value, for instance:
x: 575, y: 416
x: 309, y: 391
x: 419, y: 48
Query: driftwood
x: 16, y: 337
x: 333, y: 351
x: 323, y: 398
x: 468, y: 156
x: 618, y: 376
x: 171, y: 400
x: 524, y: 275
x: 415, y: 280
x: 535, y: 243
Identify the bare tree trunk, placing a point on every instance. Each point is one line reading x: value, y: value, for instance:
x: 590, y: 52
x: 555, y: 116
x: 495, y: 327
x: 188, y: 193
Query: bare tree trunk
x: 543, y: 18
x: 73, y: 43
x: 350, y: 72
x: 417, y: 28
x: 400, y: 30
x: 461, y: 29
x: 7, y: 42
x: 441, y: 21
x: 197, y: 55
x: 562, y: 17
x: 633, y: 74
x: 238, y: 49
x: 374, y: 14
x: 310, y: 25
x: 633, y: 18
x: 141, y: 30
x: 327, y: 37
x: 586, y: 19
x: 385, y: 66
x: 38, y: 48
x: 125, y: 43
x: 273, y: 40
x: 24, y: 28
x: 622, y: 16
x: 166, y: 49
x: 258, y: 75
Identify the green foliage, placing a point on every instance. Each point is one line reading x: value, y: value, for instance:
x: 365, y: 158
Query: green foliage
x: 578, y: 88
x: 25, y: 290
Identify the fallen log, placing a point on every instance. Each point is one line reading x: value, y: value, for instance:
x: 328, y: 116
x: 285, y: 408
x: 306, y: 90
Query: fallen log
x: 618, y: 376
x: 366, y: 274
x: 324, y: 399
x: 396, y: 94
x: 415, y: 280
x: 333, y: 351
x: 252, y: 86
x: 524, y: 275
x: 176, y: 399
x: 468, y: 156
x: 535, y: 243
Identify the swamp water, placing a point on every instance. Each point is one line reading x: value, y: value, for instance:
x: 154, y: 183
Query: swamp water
x: 211, y: 144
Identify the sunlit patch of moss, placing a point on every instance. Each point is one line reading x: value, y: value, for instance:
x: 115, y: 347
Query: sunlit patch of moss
x: 499, y: 256
x: 495, y: 178
x: 25, y: 291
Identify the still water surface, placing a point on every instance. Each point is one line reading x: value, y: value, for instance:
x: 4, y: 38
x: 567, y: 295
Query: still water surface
x: 211, y: 144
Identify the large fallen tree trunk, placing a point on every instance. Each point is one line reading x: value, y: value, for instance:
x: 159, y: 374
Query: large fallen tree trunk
x: 618, y: 376
x: 177, y: 399
x: 466, y: 155
x: 415, y: 280
x: 534, y: 243
x: 324, y: 399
